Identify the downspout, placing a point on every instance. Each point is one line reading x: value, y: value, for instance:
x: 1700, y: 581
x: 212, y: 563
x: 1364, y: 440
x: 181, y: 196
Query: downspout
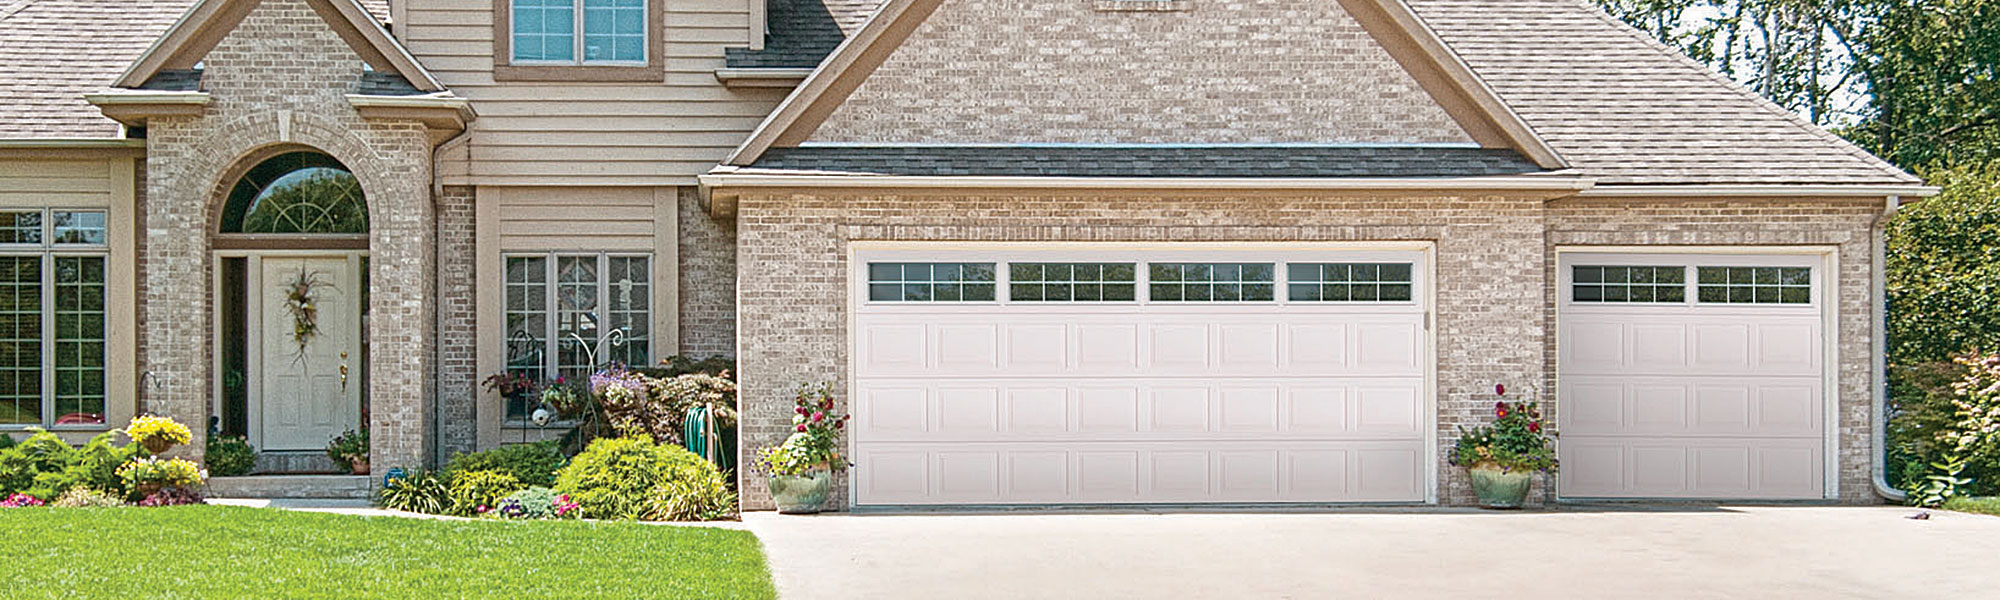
x: 1880, y: 294
x: 437, y: 320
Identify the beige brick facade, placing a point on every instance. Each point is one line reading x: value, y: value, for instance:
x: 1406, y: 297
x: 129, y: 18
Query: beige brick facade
x: 458, y: 357
x: 1251, y: 71
x: 1494, y: 258
x: 279, y: 81
x: 708, y: 280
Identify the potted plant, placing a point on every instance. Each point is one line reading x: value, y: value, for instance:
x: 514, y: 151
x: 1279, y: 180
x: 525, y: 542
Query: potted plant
x: 147, y: 476
x: 350, y: 449
x: 1503, y: 456
x: 801, y: 469
x: 158, y: 434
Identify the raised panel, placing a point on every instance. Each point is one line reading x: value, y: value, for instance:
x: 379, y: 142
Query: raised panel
x: 1249, y: 346
x: 1252, y: 410
x: 1722, y: 408
x: 1107, y: 476
x: 894, y: 410
x: 1787, y: 348
x: 1382, y: 346
x: 1386, y: 474
x: 1317, y: 473
x: 971, y: 475
x: 1592, y: 469
x: 1107, y: 410
x: 1659, y: 471
x: 1037, y: 410
x: 1722, y: 346
x: 1180, y: 347
x: 1788, y: 471
x: 1038, y: 475
x: 968, y: 411
x: 1659, y: 408
x: 1107, y: 347
x: 1179, y: 410
x: 1787, y: 409
x: 1317, y: 348
x: 1593, y: 407
x: 1317, y: 410
x: 897, y: 474
x: 1041, y: 348
x: 1722, y: 471
x: 1659, y: 347
x: 894, y: 347
x: 1180, y: 475
x: 1594, y: 346
x: 968, y: 347
x: 1249, y: 475
x: 1386, y: 410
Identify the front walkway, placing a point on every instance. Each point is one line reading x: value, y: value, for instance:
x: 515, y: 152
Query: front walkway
x: 1618, y: 552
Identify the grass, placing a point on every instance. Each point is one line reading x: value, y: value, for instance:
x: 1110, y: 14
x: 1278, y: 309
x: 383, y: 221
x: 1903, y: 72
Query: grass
x: 215, y: 552
x: 1989, y: 505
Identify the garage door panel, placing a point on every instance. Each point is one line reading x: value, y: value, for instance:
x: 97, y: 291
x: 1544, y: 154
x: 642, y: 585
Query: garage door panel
x: 1316, y: 410
x: 1106, y: 411
x: 968, y: 411
x: 1251, y: 347
x: 980, y: 410
x: 1657, y: 407
x: 1751, y: 468
x: 967, y: 348
x: 1250, y: 409
x: 1317, y: 347
x: 1107, y: 348
x: 1726, y: 406
x: 893, y: 347
x: 1127, y: 473
x: 1628, y: 343
x: 1036, y: 348
x: 893, y: 411
x: 1178, y: 347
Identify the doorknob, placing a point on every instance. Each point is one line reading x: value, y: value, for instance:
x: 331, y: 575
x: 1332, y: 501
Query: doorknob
x: 343, y: 371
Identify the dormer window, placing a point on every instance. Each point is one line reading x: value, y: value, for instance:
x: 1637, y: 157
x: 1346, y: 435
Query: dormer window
x: 579, y: 32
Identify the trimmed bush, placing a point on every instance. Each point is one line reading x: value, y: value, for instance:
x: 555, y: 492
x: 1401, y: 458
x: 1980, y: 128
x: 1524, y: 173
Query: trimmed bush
x: 530, y: 464
x: 421, y: 491
x: 475, y: 492
x: 44, y: 466
x: 636, y: 478
x: 229, y: 456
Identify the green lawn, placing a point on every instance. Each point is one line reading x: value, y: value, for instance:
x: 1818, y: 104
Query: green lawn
x: 1989, y: 505
x: 214, y: 552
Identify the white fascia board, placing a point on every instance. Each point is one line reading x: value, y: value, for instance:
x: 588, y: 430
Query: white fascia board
x: 722, y: 178
x: 1758, y: 191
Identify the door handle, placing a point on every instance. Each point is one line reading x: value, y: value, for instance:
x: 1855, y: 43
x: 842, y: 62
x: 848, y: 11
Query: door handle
x: 343, y: 371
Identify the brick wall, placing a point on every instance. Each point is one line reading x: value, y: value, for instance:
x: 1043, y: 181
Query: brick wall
x: 1064, y: 71
x: 708, y: 280
x: 1845, y: 225
x: 279, y: 81
x: 792, y: 257
x: 458, y: 356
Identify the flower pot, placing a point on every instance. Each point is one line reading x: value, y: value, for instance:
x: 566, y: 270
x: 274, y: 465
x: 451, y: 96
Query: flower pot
x: 358, y: 465
x: 156, y: 445
x: 801, y: 494
x: 1498, y: 488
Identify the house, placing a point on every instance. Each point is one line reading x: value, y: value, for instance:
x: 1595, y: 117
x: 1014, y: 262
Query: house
x: 1048, y: 251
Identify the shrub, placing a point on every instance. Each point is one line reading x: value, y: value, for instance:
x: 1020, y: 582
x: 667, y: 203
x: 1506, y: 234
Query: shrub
x: 22, y: 463
x: 535, y: 503
x: 1955, y: 441
x: 6, y: 441
x: 635, y: 403
x: 1944, y: 301
x: 815, y: 440
x: 158, y: 433
x: 1514, y: 442
x: 44, y: 466
x: 82, y: 497
x: 173, y: 496
x: 634, y: 477
x: 531, y: 464
x: 675, y: 366
x: 349, y: 447
x: 421, y: 491
x: 229, y: 456
x: 475, y: 492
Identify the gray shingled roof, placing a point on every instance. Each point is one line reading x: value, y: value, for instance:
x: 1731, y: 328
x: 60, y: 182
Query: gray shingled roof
x: 52, y: 52
x: 799, y: 33
x: 1151, y: 161
x: 1617, y: 105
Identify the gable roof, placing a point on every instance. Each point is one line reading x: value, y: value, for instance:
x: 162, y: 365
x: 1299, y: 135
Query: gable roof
x: 1154, y: 161
x: 52, y: 52
x: 1618, y: 106
x: 208, y: 21
x: 1419, y: 54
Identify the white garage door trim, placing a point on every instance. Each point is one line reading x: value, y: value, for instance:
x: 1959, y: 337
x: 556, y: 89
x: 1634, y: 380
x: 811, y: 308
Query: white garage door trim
x: 1825, y: 297
x: 1219, y: 446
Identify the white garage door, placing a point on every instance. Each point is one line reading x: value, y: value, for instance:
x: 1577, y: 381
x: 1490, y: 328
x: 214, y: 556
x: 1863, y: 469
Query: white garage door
x: 1105, y: 375
x: 1692, y: 376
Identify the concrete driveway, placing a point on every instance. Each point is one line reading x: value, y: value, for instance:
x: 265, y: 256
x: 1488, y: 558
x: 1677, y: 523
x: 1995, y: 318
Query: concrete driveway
x: 1617, y: 552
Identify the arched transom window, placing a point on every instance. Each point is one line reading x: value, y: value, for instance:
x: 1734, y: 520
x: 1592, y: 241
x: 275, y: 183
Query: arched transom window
x: 296, y: 192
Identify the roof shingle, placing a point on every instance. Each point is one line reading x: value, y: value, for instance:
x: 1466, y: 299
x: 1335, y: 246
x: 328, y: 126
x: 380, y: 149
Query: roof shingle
x: 1151, y: 161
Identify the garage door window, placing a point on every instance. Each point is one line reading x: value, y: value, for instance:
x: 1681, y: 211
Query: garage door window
x: 1629, y: 284
x: 1755, y: 285
x: 1349, y: 282
x: 930, y: 282
x: 1072, y: 282
x: 1212, y: 282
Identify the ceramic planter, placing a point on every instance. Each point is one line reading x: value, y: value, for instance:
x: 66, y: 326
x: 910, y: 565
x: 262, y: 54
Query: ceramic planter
x: 1501, y: 489
x: 358, y: 465
x: 801, y: 494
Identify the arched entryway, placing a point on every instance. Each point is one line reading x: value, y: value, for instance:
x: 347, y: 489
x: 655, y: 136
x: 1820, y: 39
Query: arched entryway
x: 291, y: 288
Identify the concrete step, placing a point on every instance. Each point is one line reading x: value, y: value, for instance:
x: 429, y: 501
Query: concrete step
x: 302, y: 462
x: 356, y: 487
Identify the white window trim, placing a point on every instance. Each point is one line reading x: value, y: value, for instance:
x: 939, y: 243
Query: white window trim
x: 1142, y: 274
x: 48, y: 250
x: 577, y: 35
x: 551, y: 345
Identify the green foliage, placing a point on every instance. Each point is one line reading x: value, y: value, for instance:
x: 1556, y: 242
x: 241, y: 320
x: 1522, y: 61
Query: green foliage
x: 634, y: 477
x: 1944, y: 269
x: 815, y: 440
x: 348, y: 447
x: 420, y: 491
x: 1942, y: 484
x: 6, y: 441
x: 1984, y: 506
x: 675, y: 366
x: 163, y: 430
x: 475, y: 492
x: 1515, y: 441
x: 532, y: 464
x: 322, y: 201
x: 1929, y: 69
x: 44, y: 466
x: 229, y: 456
x: 179, y: 472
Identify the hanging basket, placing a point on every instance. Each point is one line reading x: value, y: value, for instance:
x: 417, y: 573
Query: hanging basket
x: 156, y: 445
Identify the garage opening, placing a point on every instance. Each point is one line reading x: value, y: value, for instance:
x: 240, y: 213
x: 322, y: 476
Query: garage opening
x: 1129, y: 375
x: 1693, y: 375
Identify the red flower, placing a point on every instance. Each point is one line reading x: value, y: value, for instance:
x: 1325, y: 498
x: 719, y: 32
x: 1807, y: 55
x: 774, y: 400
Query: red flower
x: 1500, y: 408
x: 1535, y: 426
x: 1500, y: 389
x: 801, y: 428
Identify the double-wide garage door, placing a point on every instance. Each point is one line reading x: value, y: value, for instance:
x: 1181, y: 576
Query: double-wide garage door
x: 1108, y: 375
x: 1692, y: 376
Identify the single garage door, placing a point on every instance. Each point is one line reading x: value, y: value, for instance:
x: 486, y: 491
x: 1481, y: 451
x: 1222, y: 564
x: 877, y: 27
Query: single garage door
x: 1692, y: 376
x: 1124, y: 375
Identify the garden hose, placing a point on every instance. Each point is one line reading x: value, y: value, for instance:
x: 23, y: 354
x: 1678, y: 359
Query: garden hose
x: 702, y: 436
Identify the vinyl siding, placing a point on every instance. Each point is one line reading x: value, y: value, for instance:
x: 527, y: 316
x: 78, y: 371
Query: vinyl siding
x: 570, y: 133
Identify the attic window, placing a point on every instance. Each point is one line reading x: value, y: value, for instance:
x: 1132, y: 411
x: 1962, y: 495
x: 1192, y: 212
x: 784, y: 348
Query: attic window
x: 613, y: 32
x: 1142, y: 5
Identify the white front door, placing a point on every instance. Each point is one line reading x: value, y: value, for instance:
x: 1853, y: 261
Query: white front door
x: 1693, y: 376
x: 308, y: 388
x: 1135, y: 375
